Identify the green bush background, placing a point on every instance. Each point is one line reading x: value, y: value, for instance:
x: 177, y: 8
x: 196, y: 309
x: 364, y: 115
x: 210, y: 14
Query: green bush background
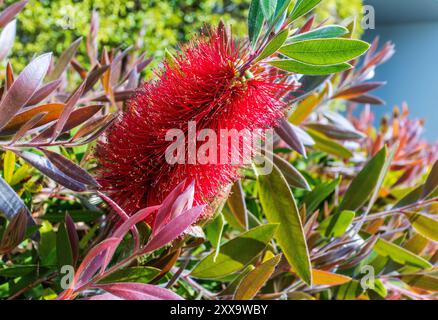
x: 51, y: 25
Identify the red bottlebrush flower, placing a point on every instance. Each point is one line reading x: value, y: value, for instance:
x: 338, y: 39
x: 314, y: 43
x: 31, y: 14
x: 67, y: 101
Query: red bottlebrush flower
x: 204, y: 84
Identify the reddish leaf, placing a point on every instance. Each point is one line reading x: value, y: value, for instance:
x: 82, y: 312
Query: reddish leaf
x: 138, y: 291
x: 68, y: 109
x: 368, y: 99
x: 50, y: 170
x: 53, y: 111
x: 8, y: 14
x: 174, y: 228
x: 73, y: 237
x: 94, y: 76
x: 27, y: 126
x: 43, y: 92
x: 70, y: 169
x: 23, y: 88
x: 76, y: 118
x: 358, y: 90
x: 286, y: 132
x: 166, y: 207
x: 64, y: 60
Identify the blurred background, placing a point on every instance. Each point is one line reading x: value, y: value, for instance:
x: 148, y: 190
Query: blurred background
x: 153, y: 25
x: 412, y: 74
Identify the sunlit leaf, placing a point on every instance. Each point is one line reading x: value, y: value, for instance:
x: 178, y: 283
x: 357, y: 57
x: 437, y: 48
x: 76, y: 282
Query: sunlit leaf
x: 235, y: 254
x: 256, y: 279
x: 280, y: 207
x: 400, y: 255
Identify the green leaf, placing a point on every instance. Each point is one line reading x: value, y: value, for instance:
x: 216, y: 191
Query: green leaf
x: 255, y: 21
x: 325, y: 51
x: 256, y: 279
x: 235, y: 254
x: 383, y: 172
x: 364, y: 183
x: 329, y: 146
x: 132, y: 274
x: 214, y: 230
x: 268, y: 8
x: 64, y: 251
x: 337, y: 224
x: 424, y: 225
x: 314, y: 199
x: 400, y: 255
x: 302, y: 7
x: 280, y: 207
x: 431, y: 184
x: 309, y: 69
x: 282, y: 6
x: 274, y: 45
x: 326, y: 32
x: 17, y: 271
x: 422, y: 281
x: 8, y: 166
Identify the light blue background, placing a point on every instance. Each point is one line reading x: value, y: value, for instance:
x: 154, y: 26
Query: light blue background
x: 412, y: 74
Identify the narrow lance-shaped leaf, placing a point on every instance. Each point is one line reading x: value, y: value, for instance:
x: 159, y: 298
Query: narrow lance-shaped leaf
x: 237, y: 205
x: 7, y: 37
x: 70, y: 169
x: 255, y: 21
x: 274, y: 45
x: 320, y: 33
x: 68, y: 109
x: 138, y: 291
x: 64, y: 60
x: 235, y: 254
x: 43, y: 92
x: 23, y: 88
x: 11, y: 204
x: 302, y: 7
x: 292, y: 175
x: 424, y: 225
x: 364, y: 183
x: 400, y: 255
x: 256, y: 279
x: 8, y: 14
x: 50, y: 170
x: 286, y: 131
x: 268, y: 8
x: 280, y: 207
x: 431, y: 183
x: 325, y: 144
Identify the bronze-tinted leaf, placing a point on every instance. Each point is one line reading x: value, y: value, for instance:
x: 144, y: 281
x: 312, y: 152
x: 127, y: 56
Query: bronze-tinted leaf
x: 27, y: 126
x: 358, y: 90
x: 23, y: 88
x: 287, y: 132
x: 43, y: 92
x: 8, y: 14
x: 76, y: 118
x: 64, y: 60
x: 236, y: 202
x: 53, y: 111
x: 68, y: 109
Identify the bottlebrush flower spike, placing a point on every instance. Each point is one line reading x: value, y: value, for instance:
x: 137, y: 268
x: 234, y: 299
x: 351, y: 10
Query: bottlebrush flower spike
x: 211, y: 83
